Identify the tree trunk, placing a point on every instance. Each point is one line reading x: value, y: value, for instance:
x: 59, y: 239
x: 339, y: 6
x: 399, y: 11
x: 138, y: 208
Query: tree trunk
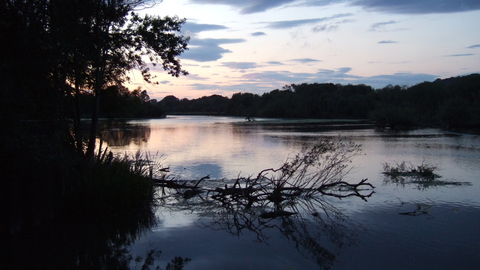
x: 92, y: 138
x: 100, y: 65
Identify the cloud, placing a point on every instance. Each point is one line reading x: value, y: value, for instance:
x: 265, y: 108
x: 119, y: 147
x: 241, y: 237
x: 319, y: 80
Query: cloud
x: 380, y: 26
x: 329, y: 27
x: 387, y: 42
x: 474, y: 46
x: 201, y: 86
x: 196, y: 77
x: 296, y: 23
x: 257, y: 88
x: 197, y: 28
x: 278, y: 77
x: 275, y: 63
x: 204, y: 50
x: 404, y: 78
x: 418, y: 6
x: 305, y: 60
x: 205, y: 53
x: 240, y: 65
x: 339, y: 75
x: 459, y: 55
x: 247, y: 6
x: 215, y: 41
x: 320, y: 3
x: 164, y: 82
x: 325, y: 28
x: 386, y: 6
x: 256, y: 34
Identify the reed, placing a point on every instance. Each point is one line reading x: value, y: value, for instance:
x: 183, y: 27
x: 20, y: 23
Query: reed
x: 114, y: 185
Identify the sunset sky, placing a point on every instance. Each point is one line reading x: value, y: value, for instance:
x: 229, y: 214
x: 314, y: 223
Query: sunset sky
x: 260, y: 45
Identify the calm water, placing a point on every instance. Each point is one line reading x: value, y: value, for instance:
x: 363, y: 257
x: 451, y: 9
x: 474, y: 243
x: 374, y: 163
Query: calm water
x: 441, y: 231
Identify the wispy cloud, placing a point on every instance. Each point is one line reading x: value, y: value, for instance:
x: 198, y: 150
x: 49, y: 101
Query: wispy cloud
x: 339, y: 75
x: 197, y: 28
x: 240, y: 65
x: 215, y: 41
x: 247, y: 6
x: 380, y: 26
x: 266, y: 81
x: 257, y: 88
x: 387, y: 42
x: 196, y: 77
x: 329, y: 26
x: 256, y: 34
x: 474, y: 46
x: 335, y: 75
x: 275, y: 63
x: 201, y: 86
x: 325, y: 28
x: 417, y: 6
x: 305, y: 60
x: 385, y: 6
x: 296, y: 23
x: 403, y: 78
x: 459, y: 55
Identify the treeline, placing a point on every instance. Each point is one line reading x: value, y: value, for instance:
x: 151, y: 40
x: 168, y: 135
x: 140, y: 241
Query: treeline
x: 453, y: 102
x: 120, y: 102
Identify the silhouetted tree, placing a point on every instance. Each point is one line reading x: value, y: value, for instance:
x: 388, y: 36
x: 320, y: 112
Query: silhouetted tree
x: 56, y: 57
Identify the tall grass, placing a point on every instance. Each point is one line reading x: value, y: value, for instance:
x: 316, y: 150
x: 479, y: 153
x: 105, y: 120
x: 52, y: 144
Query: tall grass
x: 114, y: 185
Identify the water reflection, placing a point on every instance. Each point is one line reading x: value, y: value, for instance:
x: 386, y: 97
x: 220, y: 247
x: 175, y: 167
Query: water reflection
x: 79, y: 244
x: 403, y: 226
x: 121, y: 133
x: 312, y: 224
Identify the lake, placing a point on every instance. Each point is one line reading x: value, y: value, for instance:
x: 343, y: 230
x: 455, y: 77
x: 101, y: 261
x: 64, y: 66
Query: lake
x: 402, y: 225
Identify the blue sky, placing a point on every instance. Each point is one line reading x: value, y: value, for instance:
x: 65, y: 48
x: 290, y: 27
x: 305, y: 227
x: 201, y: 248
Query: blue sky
x: 260, y: 45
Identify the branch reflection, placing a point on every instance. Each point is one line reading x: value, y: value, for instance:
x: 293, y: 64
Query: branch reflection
x: 315, y: 226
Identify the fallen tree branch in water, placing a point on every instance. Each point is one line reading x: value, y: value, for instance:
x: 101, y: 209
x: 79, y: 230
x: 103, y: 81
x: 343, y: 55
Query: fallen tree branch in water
x: 350, y: 189
x: 315, y: 171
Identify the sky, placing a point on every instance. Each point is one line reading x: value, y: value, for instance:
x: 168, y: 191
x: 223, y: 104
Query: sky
x: 257, y: 46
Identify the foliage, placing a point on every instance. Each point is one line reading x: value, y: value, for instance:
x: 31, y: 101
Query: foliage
x: 60, y: 58
x: 61, y: 50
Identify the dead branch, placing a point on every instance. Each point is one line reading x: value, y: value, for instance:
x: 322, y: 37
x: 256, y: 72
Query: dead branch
x: 345, y: 186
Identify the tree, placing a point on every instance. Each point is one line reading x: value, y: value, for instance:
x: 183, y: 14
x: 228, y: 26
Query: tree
x: 110, y: 40
x: 76, y: 46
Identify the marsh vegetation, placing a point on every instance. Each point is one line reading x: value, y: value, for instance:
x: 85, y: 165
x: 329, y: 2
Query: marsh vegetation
x: 423, y: 176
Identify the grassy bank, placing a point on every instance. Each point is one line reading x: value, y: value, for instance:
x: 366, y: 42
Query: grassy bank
x: 43, y: 182
x: 112, y: 186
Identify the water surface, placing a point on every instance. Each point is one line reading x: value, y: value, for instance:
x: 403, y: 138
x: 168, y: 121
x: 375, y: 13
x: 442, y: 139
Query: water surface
x: 439, y: 230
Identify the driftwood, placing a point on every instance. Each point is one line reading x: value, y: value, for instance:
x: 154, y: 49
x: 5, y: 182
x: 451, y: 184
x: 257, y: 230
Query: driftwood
x: 177, y: 184
x: 311, y: 174
x: 246, y: 192
x: 351, y: 189
x: 190, y: 190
